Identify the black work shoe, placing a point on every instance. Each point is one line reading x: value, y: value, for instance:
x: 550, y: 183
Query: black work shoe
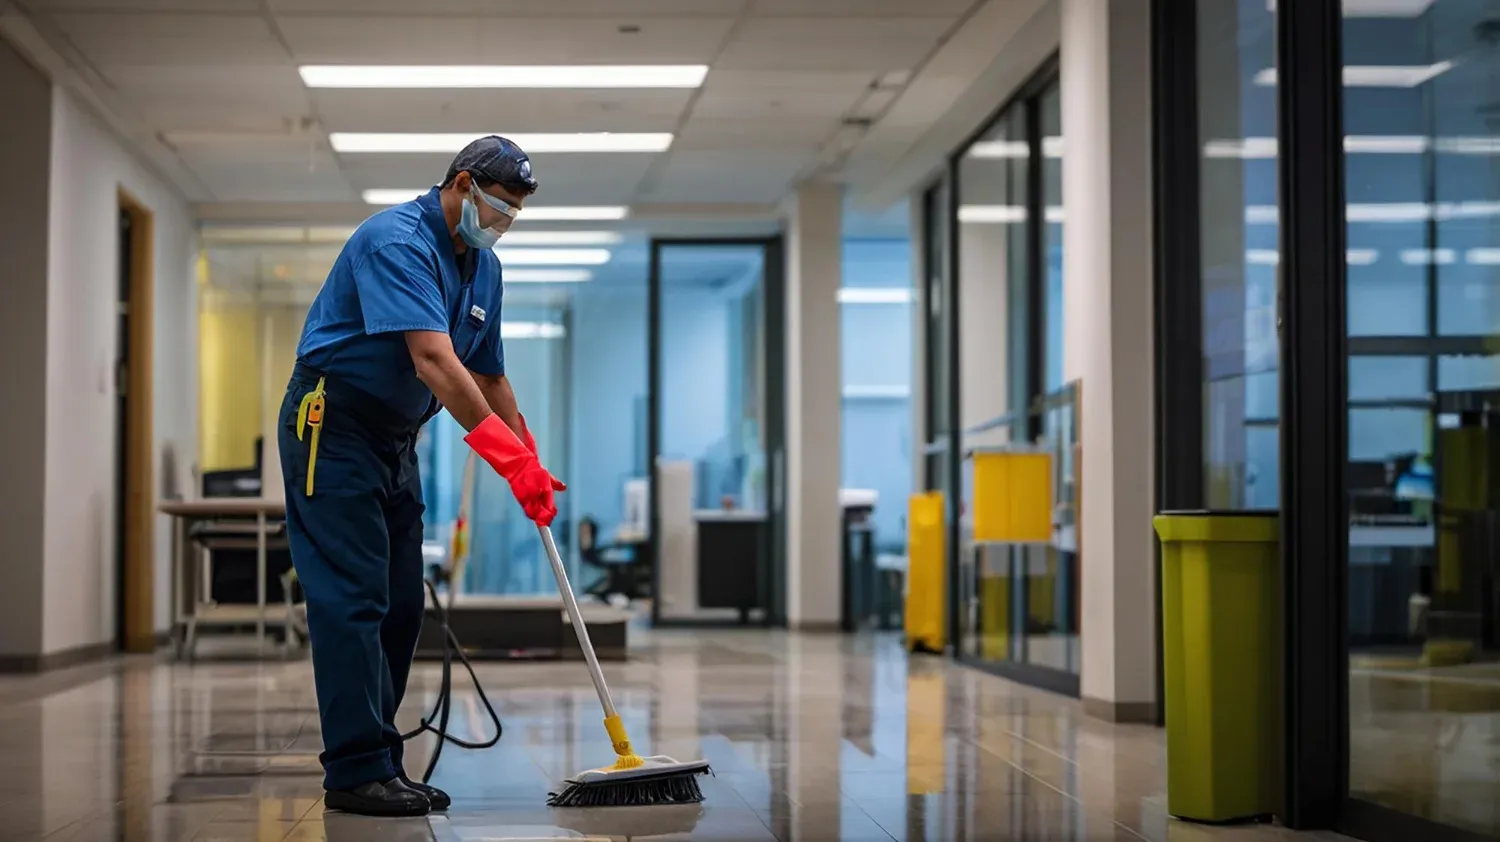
x: 391, y: 798
x: 439, y: 799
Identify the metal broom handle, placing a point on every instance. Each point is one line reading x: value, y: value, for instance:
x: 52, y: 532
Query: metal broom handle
x: 569, y: 602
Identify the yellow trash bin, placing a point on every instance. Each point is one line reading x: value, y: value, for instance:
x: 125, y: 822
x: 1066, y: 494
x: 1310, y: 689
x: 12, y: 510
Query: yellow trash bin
x: 1221, y: 648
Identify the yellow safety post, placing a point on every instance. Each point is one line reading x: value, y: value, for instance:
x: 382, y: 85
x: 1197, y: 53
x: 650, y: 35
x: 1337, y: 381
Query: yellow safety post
x: 1221, y: 648
x: 926, y: 588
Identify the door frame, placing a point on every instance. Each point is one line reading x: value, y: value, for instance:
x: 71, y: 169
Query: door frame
x: 137, y: 509
x: 774, y: 398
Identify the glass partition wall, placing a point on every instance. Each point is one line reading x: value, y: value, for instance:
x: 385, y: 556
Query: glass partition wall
x: 995, y: 379
x: 1328, y: 183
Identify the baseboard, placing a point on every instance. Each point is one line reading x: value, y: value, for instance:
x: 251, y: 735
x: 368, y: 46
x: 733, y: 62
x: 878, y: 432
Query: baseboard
x: 1142, y: 713
x: 60, y: 659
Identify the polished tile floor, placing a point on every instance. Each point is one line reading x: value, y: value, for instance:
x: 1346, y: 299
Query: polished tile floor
x: 812, y: 737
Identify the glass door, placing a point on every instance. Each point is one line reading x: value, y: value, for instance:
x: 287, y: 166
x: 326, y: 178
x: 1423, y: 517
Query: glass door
x: 716, y: 450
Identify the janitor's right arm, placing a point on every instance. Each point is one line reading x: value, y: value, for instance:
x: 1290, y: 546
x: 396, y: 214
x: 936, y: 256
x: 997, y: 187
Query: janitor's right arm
x: 439, y: 367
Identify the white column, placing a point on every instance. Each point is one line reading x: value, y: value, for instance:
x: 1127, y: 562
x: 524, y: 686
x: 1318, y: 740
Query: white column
x: 1108, y: 342
x: 919, y: 250
x: 814, y: 263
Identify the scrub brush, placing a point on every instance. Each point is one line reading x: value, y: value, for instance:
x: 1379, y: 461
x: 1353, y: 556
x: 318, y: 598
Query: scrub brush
x: 633, y: 780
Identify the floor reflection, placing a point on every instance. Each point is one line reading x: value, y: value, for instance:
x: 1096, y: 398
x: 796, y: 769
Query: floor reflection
x: 1427, y: 740
x: 813, y: 737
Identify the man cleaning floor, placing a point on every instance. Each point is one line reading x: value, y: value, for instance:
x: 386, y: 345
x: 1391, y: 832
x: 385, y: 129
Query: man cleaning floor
x: 407, y: 323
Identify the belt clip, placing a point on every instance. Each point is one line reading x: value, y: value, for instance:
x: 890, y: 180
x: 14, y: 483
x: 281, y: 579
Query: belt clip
x: 310, y: 414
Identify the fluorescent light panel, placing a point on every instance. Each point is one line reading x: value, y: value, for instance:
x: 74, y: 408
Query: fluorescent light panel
x: 504, y: 76
x: 1375, y: 76
x: 1271, y: 257
x: 449, y: 143
x: 552, y: 257
x: 1265, y: 147
x: 1377, y: 8
x: 532, y: 330
x: 391, y: 196
x: 544, y: 213
x: 562, y: 238
x: 1391, y: 212
x: 548, y: 276
x: 1003, y: 214
x: 1052, y: 147
x: 874, y: 295
x: 594, y: 213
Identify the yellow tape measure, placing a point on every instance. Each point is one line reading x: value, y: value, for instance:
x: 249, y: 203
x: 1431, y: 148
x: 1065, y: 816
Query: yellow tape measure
x: 310, y: 414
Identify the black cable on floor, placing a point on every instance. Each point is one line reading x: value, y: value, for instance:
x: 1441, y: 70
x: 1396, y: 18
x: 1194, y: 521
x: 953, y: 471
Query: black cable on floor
x: 443, y: 703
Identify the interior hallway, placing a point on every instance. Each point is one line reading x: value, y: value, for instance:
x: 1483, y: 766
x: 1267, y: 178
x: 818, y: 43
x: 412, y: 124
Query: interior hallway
x: 812, y: 737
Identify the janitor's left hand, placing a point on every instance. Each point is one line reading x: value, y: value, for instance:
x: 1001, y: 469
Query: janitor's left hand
x: 530, y: 441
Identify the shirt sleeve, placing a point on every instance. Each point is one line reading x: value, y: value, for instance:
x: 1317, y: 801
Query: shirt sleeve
x: 399, y: 290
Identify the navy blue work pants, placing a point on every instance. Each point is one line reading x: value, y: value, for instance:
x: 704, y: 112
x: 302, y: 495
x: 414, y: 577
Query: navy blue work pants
x: 356, y: 544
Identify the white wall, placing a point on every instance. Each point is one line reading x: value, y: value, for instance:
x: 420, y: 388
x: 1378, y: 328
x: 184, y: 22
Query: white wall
x: 89, y: 167
x: 25, y: 100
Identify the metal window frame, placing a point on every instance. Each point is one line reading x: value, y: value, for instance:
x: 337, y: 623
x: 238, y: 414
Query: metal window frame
x: 1178, y: 328
x: 1312, y: 329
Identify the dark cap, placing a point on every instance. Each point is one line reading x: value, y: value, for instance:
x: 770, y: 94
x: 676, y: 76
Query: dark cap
x: 496, y: 160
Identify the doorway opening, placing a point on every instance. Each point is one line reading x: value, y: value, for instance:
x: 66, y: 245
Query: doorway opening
x: 135, y: 628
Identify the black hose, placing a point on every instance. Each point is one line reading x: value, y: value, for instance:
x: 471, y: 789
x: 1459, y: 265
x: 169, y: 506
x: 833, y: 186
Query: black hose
x: 443, y: 703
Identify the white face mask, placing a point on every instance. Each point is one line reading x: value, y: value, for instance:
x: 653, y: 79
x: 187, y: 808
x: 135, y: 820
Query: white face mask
x: 468, y: 224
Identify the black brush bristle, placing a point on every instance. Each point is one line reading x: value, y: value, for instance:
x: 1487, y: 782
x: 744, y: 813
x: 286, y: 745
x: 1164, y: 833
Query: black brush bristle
x: 676, y: 789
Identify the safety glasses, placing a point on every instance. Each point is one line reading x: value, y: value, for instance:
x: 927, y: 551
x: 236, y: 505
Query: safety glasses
x: 498, y: 204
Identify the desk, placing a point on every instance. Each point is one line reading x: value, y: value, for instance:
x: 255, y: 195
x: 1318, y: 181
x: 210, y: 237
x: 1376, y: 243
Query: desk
x: 187, y: 616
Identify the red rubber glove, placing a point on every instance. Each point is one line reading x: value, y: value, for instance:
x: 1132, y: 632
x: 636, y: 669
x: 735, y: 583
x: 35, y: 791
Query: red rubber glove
x: 530, y: 441
x: 498, y: 445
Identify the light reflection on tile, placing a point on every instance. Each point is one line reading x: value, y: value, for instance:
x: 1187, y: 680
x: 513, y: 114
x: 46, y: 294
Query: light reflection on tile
x: 813, y: 737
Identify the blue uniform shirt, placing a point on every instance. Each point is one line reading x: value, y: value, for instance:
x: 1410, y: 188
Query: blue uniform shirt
x: 398, y: 272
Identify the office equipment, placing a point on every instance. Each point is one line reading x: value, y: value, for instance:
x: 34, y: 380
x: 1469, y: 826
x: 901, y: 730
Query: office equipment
x: 857, y: 541
x: 731, y: 561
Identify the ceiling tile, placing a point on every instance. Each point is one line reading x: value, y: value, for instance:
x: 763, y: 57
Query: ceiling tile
x: 501, y: 111
x: 701, y: 176
x: 875, y: 45
x: 175, y: 99
x: 439, y: 40
x: 173, y: 39
x: 753, y: 133
x: 196, y: 6
x: 507, y: 9
x: 267, y: 173
x: 863, y: 8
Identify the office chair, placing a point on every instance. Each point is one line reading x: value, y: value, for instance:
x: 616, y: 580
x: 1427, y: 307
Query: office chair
x: 616, y: 563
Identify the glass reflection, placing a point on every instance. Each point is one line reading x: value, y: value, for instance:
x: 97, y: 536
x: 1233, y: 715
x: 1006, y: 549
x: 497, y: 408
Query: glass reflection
x: 1237, y: 125
x: 1016, y: 603
x: 1423, y: 193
